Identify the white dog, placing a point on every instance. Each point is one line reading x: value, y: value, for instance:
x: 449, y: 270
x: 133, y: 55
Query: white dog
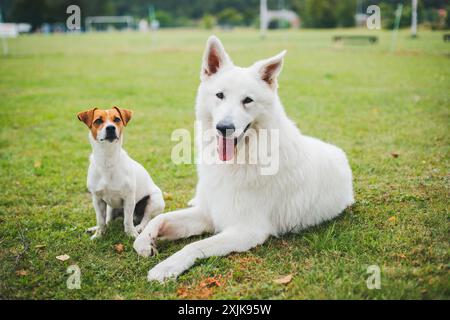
x: 114, y: 179
x: 234, y: 201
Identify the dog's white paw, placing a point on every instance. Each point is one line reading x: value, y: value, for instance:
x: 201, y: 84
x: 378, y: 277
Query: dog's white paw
x: 132, y: 232
x: 95, y: 236
x: 145, y: 247
x: 140, y: 227
x: 165, y: 270
x: 98, y: 232
x: 92, y: 230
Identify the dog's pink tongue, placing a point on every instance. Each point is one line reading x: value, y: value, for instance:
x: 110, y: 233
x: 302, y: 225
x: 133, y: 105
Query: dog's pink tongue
x: 225, y: 148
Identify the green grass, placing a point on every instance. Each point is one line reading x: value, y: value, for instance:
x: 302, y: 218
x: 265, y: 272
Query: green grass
x: 365, y: 99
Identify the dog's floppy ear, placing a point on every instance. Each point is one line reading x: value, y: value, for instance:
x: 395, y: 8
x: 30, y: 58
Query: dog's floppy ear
x: 269, y: 69
x: 214, y: 58
x: 124, y: 114
x: 87, y: 116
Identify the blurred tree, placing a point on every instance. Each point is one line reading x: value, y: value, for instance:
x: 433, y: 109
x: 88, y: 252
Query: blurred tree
x: 26, y: 11
x: 345, y: 13
x: 230, y: 17
x: 388, y: 15
x: 320, y: 13
x: 250, y: 16
x: 208, y: 21
x: 184, y: 21
x: 165, y: 19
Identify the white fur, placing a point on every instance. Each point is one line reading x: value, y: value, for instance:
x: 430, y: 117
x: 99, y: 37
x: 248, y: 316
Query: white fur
x: 118, y: 182
x: 241, y: 206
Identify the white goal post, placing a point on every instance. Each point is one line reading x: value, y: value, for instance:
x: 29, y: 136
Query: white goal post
x: 128, y: 20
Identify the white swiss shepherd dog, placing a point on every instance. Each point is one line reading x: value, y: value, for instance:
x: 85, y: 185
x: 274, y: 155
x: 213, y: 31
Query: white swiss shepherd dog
x: 235, y: 202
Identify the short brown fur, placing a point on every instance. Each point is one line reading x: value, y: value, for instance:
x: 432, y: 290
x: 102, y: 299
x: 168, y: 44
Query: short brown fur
x: 89, y: 117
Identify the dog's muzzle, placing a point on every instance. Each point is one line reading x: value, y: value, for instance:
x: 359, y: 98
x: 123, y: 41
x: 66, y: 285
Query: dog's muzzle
x: 226, y: 145
x: 111, y: 134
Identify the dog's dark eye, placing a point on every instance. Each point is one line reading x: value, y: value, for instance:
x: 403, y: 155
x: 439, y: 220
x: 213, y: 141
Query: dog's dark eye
x: 98, y: 121
x: 247, y: 100
x: 220, y: 95
x: 116, y: 120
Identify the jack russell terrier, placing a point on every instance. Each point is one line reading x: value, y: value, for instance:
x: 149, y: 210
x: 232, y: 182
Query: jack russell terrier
x: 116, y: 181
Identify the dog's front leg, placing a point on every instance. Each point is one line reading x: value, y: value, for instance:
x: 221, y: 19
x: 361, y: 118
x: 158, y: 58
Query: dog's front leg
x: 109, y: 214
x: 172, y: 225
x: 100, y: 214
x: 128, y: 210
x: 234, y: 239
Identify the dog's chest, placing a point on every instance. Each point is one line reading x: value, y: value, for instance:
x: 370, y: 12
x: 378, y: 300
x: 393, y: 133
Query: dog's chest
x: 114, y: 199
x: 234, y: 198
x: 111, y: 188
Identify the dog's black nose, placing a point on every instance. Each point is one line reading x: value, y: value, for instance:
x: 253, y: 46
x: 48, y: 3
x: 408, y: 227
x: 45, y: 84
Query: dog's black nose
x: 226, y: 128
x: 110, y: 128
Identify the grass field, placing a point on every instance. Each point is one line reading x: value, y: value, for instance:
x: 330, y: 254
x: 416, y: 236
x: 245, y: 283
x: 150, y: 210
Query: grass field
x: 368, y: 101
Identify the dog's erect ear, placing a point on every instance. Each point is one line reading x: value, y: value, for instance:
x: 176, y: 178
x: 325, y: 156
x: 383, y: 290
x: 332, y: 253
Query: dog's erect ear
x: 214, y: 58
x: 269, y: 69
x: 124, y: 114
x: 87, y: 116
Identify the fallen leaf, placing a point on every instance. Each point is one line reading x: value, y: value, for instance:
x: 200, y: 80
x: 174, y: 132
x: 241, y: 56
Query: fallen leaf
x: 401, y: 255
x: 21, y: 272
x: 182, y: 292
x: 284, y: 280
x: 63, y: 257
x: 395, y: 154
x: 203, y: 290
x: 167, y: 196
x: 210, y: 282
x: 119, y: 247
x: 194, y: 293
x: 392, y: 219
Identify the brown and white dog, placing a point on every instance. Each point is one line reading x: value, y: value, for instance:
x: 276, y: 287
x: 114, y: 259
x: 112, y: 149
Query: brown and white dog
x: 114, y: 179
